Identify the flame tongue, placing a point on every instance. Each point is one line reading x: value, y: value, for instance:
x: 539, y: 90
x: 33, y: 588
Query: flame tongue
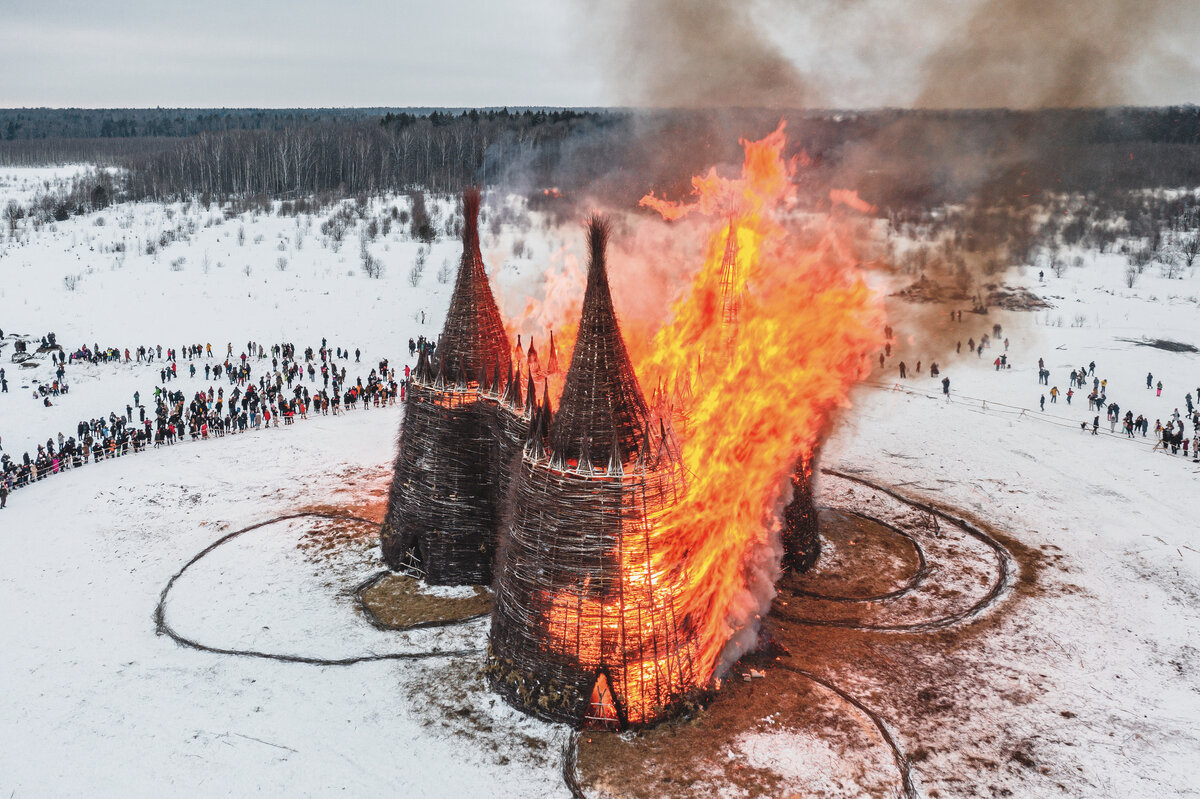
x: 760, y: 393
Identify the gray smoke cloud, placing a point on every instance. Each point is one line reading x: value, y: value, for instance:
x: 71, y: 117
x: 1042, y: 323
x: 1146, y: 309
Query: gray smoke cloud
x: 925, y: 54
x: 685, y: 54
x: 1036, y: 54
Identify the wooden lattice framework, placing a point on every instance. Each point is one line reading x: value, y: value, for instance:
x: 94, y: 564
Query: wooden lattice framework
x: 801, y: 534
x: 584, y: 628
x: 443, y: 504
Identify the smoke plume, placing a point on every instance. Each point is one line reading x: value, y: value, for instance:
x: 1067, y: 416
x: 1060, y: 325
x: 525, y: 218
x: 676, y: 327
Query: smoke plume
x: 683, y: 54
x: 1037, y: 54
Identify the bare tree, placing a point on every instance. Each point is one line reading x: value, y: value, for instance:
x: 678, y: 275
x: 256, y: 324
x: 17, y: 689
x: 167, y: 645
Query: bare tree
x: 12, y: 214
x: 1189, y: 248
x: 1171, y: 262
x: 1131, y: 275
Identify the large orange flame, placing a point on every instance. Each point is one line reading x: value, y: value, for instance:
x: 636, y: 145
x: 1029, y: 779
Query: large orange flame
x: 747, y: 397
x: 754, y: 399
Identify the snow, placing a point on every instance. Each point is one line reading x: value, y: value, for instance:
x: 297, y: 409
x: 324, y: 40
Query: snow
x: 97, y: 704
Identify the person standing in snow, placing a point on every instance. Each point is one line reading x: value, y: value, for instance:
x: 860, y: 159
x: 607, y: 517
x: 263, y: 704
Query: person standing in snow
x: 1043, y: 402
x: 3, y: 491
x: 1159, y: 394
x: 1095, y: 424
x: 1149, y: 380
x: 946, y: 386
x: 903, y: 370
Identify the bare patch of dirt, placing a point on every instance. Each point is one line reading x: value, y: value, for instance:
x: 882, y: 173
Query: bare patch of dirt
x: 723, y: 746
x: 398, y: 601
x: 329, y: 539
x: 860, y: 558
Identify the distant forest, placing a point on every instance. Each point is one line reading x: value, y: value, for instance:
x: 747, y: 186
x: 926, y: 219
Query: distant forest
x: 896, y: 159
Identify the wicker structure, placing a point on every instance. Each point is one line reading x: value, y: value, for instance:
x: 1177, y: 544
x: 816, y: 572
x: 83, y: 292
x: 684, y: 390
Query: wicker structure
x: 442, y: 507
x: 584, y: 629
x: 801, y: 534
x: 801, y: 537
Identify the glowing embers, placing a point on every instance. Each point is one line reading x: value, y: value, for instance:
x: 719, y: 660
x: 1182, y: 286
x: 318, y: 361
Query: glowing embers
x: 602, y: 711
x: 581, y: 592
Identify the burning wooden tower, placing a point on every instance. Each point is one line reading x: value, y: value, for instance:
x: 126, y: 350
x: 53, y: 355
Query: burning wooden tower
x: 442, y: 507
x: 584, y: 626
x: 801, y: 536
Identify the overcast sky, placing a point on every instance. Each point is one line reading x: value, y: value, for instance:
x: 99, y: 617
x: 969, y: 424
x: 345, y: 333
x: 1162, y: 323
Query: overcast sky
x: 272, y: 53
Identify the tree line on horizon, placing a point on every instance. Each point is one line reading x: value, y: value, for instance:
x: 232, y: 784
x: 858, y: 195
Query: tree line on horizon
x: 896, y: 159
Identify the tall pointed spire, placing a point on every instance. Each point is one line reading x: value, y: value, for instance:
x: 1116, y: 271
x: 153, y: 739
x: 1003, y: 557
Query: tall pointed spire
x: 731, y: 283
x: 601, y: 399
x: 552, y: 367
x: 473, y: 329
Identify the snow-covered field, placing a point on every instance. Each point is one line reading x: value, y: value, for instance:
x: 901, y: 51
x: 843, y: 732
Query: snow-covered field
x: 1096, y: 676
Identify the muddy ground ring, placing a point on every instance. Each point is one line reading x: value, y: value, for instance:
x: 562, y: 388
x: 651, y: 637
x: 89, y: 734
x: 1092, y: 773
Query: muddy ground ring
x: 998, y: 585
x: 911, y: 583
x: 955, y: 559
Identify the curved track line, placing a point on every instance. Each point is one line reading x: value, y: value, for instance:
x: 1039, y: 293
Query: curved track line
x: 161, y: 627
x: 912, y: 582
x: 909, y: 790
x: 999, y: 587
x: 570, y: 766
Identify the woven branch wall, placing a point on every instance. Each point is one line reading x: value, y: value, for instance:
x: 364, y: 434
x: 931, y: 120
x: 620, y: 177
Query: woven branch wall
x: 441, y: 516
x: 584, y: 629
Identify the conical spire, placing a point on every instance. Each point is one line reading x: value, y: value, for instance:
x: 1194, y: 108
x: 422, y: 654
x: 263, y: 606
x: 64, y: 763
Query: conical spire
x: 512, y: 393
x: 473, y: 331
x: 531, y: 395
x: 615, y: 463
x: 585, y: 458
x: 601, y: 399
x: 552, y: 367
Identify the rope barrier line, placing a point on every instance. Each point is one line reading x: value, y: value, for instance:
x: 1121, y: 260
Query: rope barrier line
x: 1000, y: 586
x: 162, y: 627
